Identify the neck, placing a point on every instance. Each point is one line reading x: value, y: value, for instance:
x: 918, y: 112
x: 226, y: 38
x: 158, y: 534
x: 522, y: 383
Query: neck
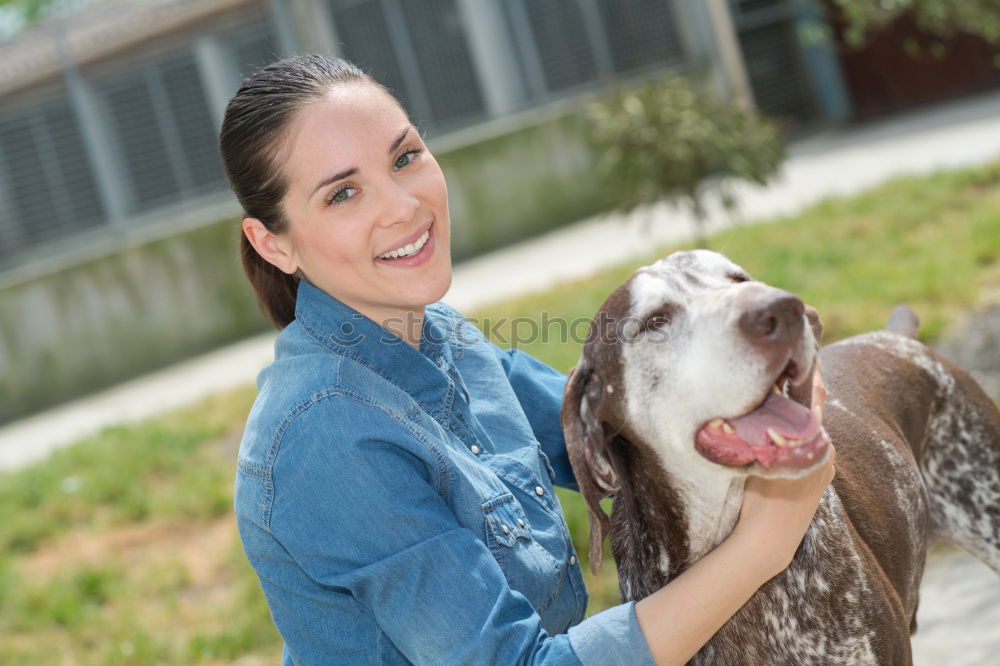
x: 407, y: 326
x: 404, y: 324
x: 664, y: 521
x: 713, y: 502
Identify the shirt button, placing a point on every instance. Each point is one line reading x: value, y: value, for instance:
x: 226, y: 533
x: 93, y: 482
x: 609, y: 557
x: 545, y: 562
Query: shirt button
x: 520, y: 522
x: 506, y: 530
x: 572, y: 560
x: 474, y: 449
x: 539, y: 491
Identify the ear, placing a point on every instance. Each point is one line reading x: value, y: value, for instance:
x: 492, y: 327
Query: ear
x: 586, y: 446
x: 276, y: 249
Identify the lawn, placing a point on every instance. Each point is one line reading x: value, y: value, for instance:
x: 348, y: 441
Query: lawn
x: 122, y: 549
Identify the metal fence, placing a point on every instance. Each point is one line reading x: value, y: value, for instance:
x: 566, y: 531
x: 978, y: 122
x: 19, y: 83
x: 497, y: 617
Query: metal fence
x: 102, y: 147
x: 122, y: 132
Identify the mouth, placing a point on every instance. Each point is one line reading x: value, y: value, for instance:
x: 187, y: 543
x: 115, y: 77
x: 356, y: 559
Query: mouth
x: 411, y: 251
x: 780, y: 435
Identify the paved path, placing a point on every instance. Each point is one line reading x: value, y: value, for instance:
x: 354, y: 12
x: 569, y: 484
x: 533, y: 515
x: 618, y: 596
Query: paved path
x: 835, y: 162
x: 958, y: 619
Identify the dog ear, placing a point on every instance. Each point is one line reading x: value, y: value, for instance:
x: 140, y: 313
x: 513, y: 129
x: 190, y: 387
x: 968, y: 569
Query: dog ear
x: 586, y: 446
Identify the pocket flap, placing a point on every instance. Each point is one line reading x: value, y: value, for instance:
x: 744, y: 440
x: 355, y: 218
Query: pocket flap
x: 505, y: 520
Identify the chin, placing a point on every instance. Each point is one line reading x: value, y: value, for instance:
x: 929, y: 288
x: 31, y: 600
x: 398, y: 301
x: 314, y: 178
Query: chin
x: 435, y: 287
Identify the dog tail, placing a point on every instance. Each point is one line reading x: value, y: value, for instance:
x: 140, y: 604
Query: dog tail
x: 904, y: 321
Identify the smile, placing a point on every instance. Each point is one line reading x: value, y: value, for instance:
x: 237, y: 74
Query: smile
x: 410, y: 249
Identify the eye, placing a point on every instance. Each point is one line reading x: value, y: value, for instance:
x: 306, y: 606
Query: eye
x: 658, y: 320
x: 406, y: 158
x: 341, y: 195
x: 739, y: 277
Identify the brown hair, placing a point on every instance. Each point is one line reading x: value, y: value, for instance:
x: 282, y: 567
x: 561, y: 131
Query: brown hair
x: 253, y: 128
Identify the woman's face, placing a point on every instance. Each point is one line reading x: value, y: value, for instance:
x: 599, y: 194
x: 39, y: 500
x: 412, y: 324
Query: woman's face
x: 367, y: 205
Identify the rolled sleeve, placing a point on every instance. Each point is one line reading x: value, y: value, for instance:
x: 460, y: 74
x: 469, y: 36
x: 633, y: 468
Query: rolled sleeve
x: 611, y: 638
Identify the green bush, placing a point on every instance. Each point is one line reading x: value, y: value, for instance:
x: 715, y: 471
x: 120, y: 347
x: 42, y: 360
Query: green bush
x: 666, y: 139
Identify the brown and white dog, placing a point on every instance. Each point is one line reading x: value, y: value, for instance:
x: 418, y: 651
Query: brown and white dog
x: 695, y: 377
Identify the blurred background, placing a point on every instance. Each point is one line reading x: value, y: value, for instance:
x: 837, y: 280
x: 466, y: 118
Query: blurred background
x: 865, y: 134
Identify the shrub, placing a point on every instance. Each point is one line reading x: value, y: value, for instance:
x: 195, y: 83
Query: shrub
x: 666, y: 139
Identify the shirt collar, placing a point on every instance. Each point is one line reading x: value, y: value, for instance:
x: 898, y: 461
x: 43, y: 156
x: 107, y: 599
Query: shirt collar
x: 427, y: 374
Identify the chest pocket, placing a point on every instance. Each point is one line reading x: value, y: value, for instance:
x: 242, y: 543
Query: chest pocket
x: 528, y: 567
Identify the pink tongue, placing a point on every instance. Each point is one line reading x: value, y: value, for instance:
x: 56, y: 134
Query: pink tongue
x: 788, y: 418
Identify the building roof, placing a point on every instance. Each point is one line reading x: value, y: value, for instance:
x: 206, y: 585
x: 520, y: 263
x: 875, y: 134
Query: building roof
x: 96, y: 31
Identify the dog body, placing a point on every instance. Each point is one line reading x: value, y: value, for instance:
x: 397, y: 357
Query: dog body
x: 672, y: 407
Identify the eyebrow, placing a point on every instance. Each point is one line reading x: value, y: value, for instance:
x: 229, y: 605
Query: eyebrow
x: 347, y: 173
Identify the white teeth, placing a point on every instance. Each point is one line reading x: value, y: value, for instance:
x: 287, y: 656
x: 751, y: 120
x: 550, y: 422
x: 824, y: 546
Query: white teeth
x: 775, y: 389
x: 776, y: 437
x: 408, y: 250
x: 782, y: 441
x: 715, y: 423
x: 728, y: 429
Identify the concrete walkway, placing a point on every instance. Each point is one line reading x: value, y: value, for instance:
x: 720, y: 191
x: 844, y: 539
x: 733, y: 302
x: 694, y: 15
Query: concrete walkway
x: 837, y: 162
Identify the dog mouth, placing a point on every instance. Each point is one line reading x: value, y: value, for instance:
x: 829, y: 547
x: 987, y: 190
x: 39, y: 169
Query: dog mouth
x: 780, y: 434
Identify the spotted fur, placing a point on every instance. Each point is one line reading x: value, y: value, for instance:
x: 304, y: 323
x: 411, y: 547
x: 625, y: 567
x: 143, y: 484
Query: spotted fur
x: 918, y: 451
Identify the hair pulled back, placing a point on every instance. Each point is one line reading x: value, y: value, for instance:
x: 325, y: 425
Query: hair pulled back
x: 253, y: 128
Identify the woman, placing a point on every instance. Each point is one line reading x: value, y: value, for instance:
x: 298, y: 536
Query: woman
x: 395, y: 482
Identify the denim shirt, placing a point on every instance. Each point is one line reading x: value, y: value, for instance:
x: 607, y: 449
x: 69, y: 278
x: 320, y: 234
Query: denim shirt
x: 398, y: 506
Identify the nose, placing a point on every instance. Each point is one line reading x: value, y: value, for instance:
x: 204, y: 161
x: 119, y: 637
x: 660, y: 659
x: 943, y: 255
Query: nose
x: 772, y: 317
x: 400, y: 203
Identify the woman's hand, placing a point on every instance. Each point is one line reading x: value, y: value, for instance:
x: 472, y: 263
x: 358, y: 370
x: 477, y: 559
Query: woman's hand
x: 777, y: 512
x: 818, y: 401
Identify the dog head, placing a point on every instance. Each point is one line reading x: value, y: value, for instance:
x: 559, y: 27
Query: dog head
x: 703, y: 366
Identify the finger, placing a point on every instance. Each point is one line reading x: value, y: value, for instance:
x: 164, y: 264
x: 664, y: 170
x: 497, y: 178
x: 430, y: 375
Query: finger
x: 819, y: 392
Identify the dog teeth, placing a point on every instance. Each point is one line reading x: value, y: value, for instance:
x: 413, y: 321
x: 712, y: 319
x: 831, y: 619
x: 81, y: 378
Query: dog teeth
x: 719, y: 423
x: 777, y: 438
x: 775, y: 389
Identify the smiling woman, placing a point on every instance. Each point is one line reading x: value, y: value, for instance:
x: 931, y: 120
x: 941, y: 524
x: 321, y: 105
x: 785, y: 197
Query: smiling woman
x: 374, y: 231
x: 395, y: 480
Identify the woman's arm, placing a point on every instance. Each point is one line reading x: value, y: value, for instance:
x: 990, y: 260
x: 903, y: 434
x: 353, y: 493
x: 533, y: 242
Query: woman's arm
x: 539, y: 389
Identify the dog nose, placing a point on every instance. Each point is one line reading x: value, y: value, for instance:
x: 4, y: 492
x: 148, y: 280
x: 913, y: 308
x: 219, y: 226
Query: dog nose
x: 773, y: 318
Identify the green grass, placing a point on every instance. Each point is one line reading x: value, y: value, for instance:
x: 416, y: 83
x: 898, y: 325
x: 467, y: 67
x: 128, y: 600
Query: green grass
x: 122, y: 549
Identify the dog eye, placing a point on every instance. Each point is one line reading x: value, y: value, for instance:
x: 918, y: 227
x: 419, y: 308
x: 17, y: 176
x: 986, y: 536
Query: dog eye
x: 658, y: 320
x: 739, y: 277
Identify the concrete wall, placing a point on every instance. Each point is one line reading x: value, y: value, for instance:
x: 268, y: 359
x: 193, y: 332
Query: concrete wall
x: 145, y: 305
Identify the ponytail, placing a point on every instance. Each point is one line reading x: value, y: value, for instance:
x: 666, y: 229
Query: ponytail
x: 275, y: 288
